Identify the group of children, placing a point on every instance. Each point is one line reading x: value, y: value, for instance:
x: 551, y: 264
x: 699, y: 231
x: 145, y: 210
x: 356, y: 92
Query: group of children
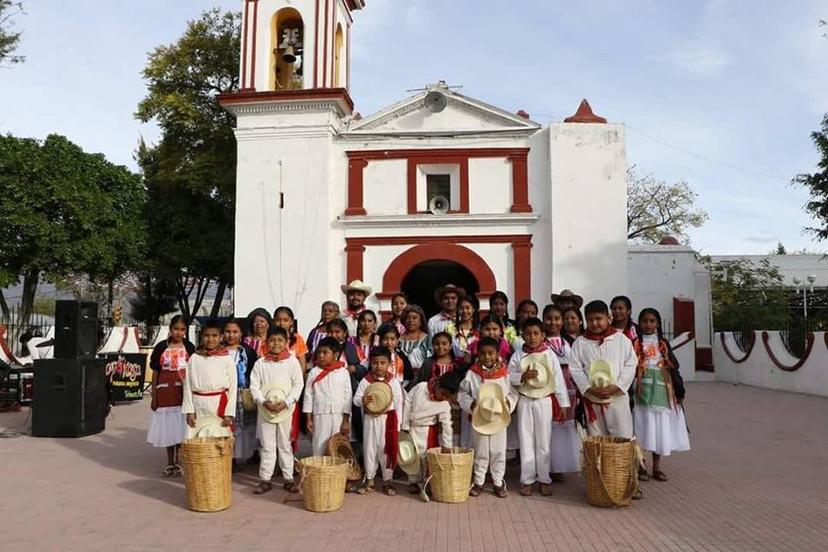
x: 500, y: 386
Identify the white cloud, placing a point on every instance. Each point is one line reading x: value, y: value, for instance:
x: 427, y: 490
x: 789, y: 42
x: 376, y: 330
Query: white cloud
x: 697, y: 58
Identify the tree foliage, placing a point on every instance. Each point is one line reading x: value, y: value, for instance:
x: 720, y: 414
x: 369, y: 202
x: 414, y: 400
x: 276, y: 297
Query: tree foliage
x: 656, y: 209
x: 191, y: 173
x: 63, y: 212
x: 9, y: 38
x: 747, y: 296
x: 817, y: 184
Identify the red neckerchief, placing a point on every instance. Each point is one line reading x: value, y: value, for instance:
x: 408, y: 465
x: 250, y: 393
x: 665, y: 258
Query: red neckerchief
x: 542, y: 348
x: 217, y: 352
x: 284, y: 355
x: 599, y: 337
x: 445, y: 316
x: 372, y: 378
x: 326, y: 370
x: 487, y: 374
x: 353, y: 314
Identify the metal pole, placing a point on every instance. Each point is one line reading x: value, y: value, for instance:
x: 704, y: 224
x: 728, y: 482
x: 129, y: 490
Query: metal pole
x: 805, y: 302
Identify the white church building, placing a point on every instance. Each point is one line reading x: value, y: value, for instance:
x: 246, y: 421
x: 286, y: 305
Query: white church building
x: 437, y: 188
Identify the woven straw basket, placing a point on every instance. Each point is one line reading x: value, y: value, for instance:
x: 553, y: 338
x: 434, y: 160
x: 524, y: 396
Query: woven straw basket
x: 248, y: 403
x: 207, y: 465
x: 450, y: 474
x: 611, y: 470
x: 323, y: 482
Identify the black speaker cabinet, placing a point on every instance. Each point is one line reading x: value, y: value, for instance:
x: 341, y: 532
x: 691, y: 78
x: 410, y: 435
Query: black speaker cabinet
x: 70, y: 397
x: 76, y: 329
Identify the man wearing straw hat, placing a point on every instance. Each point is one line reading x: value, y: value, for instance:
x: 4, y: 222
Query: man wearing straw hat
x: 356, y: 293
x: 447, y: 297
x: 381, y: 398
x: 487, y: 396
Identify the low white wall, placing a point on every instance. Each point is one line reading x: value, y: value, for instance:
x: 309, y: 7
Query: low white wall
x: 757, y: 366
x: 684, y: 348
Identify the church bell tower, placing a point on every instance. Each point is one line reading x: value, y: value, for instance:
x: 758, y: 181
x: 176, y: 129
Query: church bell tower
x: 296, y: 44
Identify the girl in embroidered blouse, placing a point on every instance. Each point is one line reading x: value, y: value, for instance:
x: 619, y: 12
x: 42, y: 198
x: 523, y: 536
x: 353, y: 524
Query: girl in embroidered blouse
x: 399, y: 302
x: 573, y: 325
x: 414, y: 341
x: 659, y: 420
x: 621, y: 309
x: 330, y: 311
x: 169, y: 368
x: 466, y: 327
x: 442, y: 361
x: 283, y: 318
x: 399, y: 366
x: 244, y: 357
x: 366, y: 337
x: 490, y: 326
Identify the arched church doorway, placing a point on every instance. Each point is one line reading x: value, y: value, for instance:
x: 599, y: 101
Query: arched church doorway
x: 421, y: 281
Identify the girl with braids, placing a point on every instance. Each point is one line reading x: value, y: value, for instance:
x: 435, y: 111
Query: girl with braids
x: 330, y: 311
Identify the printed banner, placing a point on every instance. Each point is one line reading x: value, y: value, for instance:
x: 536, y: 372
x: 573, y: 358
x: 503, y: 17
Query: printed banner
x: 125, y: 373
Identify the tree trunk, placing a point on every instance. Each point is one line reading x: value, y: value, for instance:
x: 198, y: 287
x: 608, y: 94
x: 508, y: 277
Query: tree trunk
x: 30, y: 281
x: 222, y: 285
x: 4, y: 307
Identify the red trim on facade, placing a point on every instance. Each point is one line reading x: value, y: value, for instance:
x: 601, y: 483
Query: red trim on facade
x: 451, y: 156
x: 348, y: 56
x: 245, y: 21
x: 316, y: 47
x: 288, y: 95
x: 356, y: 169
x: 253, y: 49
x: 809, y: 343
x: 355, y: 261
x: 752, y: 342
x: 325, y: 54
x: 439, y: 251
x: 428, y: 248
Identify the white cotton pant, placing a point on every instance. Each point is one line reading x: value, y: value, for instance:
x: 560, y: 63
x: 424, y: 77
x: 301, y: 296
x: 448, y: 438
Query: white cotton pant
x: 613, y: 419
x: 373, y: 447
x: 419, y: 434
x: 489, y: 455
x: 324, y: 427
x: 534, y: 429
x: 275, y: 441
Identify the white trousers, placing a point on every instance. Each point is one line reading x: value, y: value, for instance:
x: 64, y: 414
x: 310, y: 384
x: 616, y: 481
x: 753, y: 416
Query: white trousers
x: 324, y: 427
x: 419, y: 434
x: 489, y: 454
x: 275, y: 441
x: 373, y: 447
x: 534, y: 429
x: 613, y: 419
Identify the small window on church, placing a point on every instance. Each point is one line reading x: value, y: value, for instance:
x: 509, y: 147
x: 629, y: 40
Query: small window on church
x: 438, y: 185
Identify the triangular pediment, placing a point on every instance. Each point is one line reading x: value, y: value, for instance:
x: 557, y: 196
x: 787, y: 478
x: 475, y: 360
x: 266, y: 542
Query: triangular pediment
x: 461, y: 115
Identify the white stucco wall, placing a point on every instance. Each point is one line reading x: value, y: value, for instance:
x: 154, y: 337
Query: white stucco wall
x: 759, y: 370
x: 384, y: 187
x: 490, y: 185
x: 588, y: 208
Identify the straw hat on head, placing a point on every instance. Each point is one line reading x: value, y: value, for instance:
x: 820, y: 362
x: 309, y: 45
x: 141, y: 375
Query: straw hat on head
x: 408, y: 457
x: 356, y: 285
x: 442, y: 290
x: 544, y: 384
x: 209, y: 425
x: 274, y: 392
x: 382, y: 398
x: 491, y: 414
x: 600, y: 376
x: 568, y: 295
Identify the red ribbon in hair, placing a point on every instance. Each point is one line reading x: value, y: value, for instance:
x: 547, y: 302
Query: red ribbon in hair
x: 326, y: 370
x: 284, y: 355
x: 486, y: 374
x: 392, y: 439
x: 599, y: 337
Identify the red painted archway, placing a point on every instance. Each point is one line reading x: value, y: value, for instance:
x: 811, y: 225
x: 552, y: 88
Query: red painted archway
x: 438, y: 251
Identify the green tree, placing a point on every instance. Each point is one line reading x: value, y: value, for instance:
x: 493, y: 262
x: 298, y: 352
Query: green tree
x: 191, y: 173
x: 63, y: 212
x: 656, y: 209
x: 748, y: 296
x: 817, y: 184
x: 9, y: 39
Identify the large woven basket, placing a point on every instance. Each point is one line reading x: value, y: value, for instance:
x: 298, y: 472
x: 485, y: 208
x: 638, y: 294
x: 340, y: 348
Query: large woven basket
x: 207, y: 465
x: 323, y: 482
x: 611, y: 470
x: 450, y: 474
x: 339, y: 446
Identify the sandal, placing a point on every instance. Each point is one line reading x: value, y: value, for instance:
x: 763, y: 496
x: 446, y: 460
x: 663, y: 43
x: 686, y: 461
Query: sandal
x: 659, y: 475
x: 168, y: 471
x: 263, y: 487
x: 476, y: 490
x: 501, y: 492
x: 367, y: 488
x: 643, y: 475
x: 177, y: 471
x: 545, y: 489
x: 290, y: 487
x: 638, y: 494
x: 527, y: 490
x: 389, y: 489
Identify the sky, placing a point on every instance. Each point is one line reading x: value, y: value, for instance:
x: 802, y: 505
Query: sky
x: 721, y: 94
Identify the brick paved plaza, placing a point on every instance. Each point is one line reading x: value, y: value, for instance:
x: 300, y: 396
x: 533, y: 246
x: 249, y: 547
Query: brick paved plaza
x: 755, y: 480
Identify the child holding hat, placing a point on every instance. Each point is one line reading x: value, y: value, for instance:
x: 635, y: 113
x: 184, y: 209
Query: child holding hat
x: 380, y: 395
x: 427, y: 421
x: 276, y: 385
x: 328, y: 396
x: 489, y: 399
x: 534, y: 369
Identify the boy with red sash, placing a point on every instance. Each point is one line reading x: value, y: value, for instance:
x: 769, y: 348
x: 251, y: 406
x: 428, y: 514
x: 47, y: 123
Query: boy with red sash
x: 380, y: 395
x: 489, y: 448
x: 210, y: 387
x: 327, y: 403
x: 276, y: 385
x: 427, y: 418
